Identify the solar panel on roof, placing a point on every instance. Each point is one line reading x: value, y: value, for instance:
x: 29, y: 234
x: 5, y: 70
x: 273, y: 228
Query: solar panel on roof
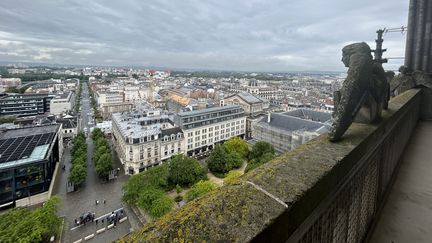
x: 22, y: 147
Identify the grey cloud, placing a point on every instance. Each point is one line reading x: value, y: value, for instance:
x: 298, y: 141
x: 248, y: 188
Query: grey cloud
x: 226, y: 34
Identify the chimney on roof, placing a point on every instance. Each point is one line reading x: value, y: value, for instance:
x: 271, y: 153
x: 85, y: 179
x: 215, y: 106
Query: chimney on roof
x: 268, y: 117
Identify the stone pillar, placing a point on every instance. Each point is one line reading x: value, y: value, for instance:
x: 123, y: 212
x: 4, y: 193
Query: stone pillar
x: 419, y: 35
x: 409, y: 55
x: 427, y: 62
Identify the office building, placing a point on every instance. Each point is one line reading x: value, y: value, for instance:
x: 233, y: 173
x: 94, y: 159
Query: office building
x: 28, y: 158
x: 286, y: 132
x: 204, y: 128
x: 25, y: 104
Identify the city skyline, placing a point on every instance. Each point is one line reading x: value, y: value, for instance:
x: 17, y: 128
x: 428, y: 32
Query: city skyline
x: 240, y: 36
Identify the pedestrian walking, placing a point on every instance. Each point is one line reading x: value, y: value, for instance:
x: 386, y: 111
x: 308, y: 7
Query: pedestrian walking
x: 104, y: 201
x: 96, y: 222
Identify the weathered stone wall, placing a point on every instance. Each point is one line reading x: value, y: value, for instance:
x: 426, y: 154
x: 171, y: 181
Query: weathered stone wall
x: 288, y: 196
x: 426, y: 109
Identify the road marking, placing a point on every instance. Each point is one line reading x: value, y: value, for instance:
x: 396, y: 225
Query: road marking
x: 110, y: 226
x: 100, y: 230
x: 78, y: 241
x: 88, y: 237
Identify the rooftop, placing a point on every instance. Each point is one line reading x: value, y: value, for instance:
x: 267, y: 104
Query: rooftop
x: 310, y: 115
x: 25, y: 145
x: 208, y: 110
x: 292, y: 123
x: 131, y: 126
x: 250, y: 98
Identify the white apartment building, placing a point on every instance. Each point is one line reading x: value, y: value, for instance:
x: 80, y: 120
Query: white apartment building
x: 62, y: 102
x: 204, y: 128
x: 132, y: 94
x: 144, y: 139
x: 108, y: 98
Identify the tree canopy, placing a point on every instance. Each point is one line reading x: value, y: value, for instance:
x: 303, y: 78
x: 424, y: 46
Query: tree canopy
x: 156, y: 177
x: 221, y: 160
x: 199, y: 189
x: 184, y: 170
x: 237, y: 145
x: 262, y: 152
x: 25, y: 225
x: 78, y: 171
x: 102, y: 156
x: 261, y: 148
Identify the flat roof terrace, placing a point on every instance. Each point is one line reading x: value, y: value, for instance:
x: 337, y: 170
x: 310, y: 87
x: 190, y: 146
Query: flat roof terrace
x: 25, y: 145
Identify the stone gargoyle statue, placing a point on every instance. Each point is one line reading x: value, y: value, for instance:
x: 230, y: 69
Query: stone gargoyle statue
x: 364, y: 93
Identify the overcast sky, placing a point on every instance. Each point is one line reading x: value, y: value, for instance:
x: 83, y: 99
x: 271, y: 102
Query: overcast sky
x: 249, y: 35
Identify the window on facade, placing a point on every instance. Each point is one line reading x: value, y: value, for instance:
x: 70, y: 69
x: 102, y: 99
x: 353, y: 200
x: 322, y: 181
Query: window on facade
x: 148, y: 152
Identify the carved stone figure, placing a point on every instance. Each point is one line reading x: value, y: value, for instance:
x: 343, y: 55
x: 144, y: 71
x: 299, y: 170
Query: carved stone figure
x: 364, y: 93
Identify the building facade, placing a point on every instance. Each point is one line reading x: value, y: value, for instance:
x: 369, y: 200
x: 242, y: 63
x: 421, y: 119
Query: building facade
x: 144, y: 139
x: 204, y: 128
x: 286, y: 132
x: 109, y: 108
x: 62, y: 103
x: 27, y: 163
x: 25, y: 104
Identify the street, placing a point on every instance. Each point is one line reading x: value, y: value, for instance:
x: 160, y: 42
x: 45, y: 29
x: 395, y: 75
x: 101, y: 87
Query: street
x: 83, y: 200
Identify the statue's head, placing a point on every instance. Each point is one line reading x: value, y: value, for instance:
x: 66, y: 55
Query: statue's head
x: 356, y: 48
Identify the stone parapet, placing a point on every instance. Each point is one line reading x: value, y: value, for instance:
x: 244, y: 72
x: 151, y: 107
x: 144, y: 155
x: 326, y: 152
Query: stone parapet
x: 321, y: 190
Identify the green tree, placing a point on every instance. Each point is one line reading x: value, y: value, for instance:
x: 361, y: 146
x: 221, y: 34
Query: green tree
x: 156, y: 177
x: 234, y: 160
x: 178, y: 189
x: 147, y: 196
x: 104, y: 165
x: 261, y: 148
x: 254, y: 163
x: 217, y: 161
x: 161, y: 206
x: 97, y: 133
x: 79, y: 160
x: 184, y: 170
x: 199, y: 189
x: 221, y: 161
x: 25, y: 225
x: 237, y: 145
x: 77, y: 174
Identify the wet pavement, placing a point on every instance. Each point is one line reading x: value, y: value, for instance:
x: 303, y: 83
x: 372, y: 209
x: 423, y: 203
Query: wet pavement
x: 83, y: 200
